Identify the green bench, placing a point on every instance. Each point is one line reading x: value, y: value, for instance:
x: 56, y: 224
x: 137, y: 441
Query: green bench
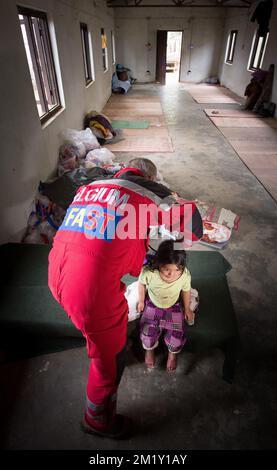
x: 32, y: 322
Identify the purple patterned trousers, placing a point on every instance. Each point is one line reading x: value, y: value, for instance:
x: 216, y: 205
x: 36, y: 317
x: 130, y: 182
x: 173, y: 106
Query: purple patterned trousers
x: 170, y: 321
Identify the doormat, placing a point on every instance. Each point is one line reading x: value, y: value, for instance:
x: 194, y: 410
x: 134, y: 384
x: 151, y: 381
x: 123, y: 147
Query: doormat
x: 143, y: 124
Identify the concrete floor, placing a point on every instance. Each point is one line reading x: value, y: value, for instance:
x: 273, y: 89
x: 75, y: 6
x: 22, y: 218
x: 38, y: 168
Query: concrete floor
x: 42, y: 398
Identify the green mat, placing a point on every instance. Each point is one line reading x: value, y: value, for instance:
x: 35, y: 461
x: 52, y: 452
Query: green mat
x: 32, y: 322
x: 142, y: 124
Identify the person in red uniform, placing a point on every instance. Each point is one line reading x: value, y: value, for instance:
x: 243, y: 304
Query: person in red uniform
x: 96, y: 245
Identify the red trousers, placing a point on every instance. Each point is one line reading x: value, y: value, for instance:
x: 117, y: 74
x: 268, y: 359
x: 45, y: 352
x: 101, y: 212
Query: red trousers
x: 93, y: 298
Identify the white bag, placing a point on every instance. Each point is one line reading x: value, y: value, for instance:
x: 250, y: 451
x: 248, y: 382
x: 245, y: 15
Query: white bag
x: 132, y: 298
x: 102, y: 155
x: 86, y: 137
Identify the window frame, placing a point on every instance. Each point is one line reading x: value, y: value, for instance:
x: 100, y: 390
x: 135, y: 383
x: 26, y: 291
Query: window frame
x: 104, y: 51
x: 87, y: 56
x: 44, y: 51
x: 254, y: 49
x: 231, y: 45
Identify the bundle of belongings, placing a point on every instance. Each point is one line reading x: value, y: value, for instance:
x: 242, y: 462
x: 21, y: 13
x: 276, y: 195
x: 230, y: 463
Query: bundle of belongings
x: 254, y: 88
x: 258, y: 92
x: 122, y: 80
x: 44, y: 220
x: 100, y: 125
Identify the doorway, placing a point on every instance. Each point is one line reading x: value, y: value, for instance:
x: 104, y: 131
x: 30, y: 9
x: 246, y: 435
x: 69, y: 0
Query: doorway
x: 173, y: 56
x: 169, y: 45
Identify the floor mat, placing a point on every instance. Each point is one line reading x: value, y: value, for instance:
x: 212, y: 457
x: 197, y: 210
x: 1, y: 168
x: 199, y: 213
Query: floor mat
x: 261, y: 158
x: 254, y: 146
x: 158, y: 120
x: 230, y: 113
x: 143, y: 124
x: 243, y: 122
x: 212, y: 94
x: 152, y: 131
x: 250, y: 133
x: 261, y: 161
x: 255, y: 141
x: 264, y: 167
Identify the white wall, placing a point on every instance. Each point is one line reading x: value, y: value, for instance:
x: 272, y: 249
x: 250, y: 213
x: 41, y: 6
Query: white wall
x: 236, y: 76
x: 29, y: 151
x: 202, y: 27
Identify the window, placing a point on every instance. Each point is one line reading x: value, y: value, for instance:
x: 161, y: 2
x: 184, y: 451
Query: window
x: 113, y: 47
x: 104, y: 49
x: 230, y: 50
x: 34, y: 28
x: 87, y: 55
x: 257, y: 52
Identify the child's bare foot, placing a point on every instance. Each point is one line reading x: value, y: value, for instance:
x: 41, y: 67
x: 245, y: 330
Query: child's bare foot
x: 171, y: 362
x: 150, y: 359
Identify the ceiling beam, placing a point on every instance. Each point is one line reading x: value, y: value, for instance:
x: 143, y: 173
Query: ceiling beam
x: 178, y: 3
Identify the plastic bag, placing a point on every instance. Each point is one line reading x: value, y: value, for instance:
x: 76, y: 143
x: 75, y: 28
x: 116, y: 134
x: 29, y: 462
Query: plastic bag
x: 80, y: 148
x: 90, y: 164
x: 132, y: 298
x: 68, y: 158
x: 44, y: 220
x: 101, y: 155
x: 86, y: 137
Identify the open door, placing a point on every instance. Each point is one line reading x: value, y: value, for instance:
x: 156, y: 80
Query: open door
x: 161, y: 56
x: 173, y: 56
